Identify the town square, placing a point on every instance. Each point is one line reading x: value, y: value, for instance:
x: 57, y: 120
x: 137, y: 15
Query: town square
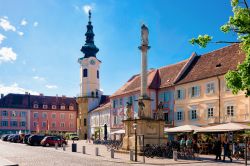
x: 124, y: 82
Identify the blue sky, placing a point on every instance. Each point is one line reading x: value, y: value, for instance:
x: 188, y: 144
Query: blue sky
x: 40, y: 41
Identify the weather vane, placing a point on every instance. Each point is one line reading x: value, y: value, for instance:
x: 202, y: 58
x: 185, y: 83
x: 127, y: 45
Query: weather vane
x: 89, y: 15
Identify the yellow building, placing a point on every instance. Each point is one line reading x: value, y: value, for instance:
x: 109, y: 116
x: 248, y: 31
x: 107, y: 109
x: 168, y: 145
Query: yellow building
x: 201, y: 95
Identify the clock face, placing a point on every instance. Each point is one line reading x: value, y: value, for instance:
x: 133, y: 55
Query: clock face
x: 92, y: 62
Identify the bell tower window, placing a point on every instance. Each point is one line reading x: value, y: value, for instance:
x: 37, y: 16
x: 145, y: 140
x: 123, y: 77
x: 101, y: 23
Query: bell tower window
x: 97, y: 74
x: 85, y: 72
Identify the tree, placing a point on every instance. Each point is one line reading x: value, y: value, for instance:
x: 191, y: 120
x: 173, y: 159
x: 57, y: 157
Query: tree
x: 239, y: 23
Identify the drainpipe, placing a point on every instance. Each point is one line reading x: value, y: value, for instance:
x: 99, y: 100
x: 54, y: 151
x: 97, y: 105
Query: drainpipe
x: 219, y: 96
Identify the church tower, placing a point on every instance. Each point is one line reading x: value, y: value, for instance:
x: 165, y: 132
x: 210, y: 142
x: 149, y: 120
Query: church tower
x: 90, y: 93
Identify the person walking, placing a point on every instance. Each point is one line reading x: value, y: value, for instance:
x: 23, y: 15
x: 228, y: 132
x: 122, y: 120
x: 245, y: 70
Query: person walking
x: 227, y: 151
x: 217, y: 149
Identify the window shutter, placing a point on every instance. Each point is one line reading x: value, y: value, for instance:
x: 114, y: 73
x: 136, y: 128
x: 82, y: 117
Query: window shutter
x: 198, y: 90
x: 207, y: 87
x: 175, y: 116
x: 190, y: 114
x: 189, y: 92
x: 183, y: 115
x: 183, y: 93
x: 197, y: 114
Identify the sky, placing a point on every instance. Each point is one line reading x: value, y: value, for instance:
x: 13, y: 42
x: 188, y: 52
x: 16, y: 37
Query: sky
x: 40, y: 41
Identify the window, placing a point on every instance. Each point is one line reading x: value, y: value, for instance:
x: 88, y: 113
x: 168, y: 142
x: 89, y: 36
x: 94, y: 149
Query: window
x: 193, y: 114
x: 121, y: 102
x: 180, y: 115
x: 22, y: 124
x: 62, y: 107
x: 85, y: 122
x: 166, y: 117
x: 71, y: 125
x: 62, y: 115
x: 13, y: 123
x: 44, y: 115
x: 194, y: 91
x: 35, y: 105
x: 4, y: 113
x: 114, y: 103
x: 230, y: 110
x: 23, y: 114
x: 34, y: 124
x: 85, y: 72
x: 97, y: 74
x: 45, y: 106
x: 53, y: 115
x: 53, y: 124
x: 71, y: 116
x: 210, y: 112
x: 43, y: 124
x: 71, y: 107
x: 115, y: 120
x: 13, y: 114
x: 62, y: 124
x: 131, y: 99
x: 53, y: 107
x: 210, y: 88
x: 4, y: 123
x: 35, y: 115
x: 180, y: 94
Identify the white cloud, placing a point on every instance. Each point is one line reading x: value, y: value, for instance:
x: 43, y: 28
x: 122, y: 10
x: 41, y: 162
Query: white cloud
x: 39, y: 78
x: 20, y: 33
x: 86, y: 9
x: 51, y: 86
x: 24, y: 22
x: 14, y: 88
x: 35, y: 24
x: 5, y: 24
x: 7, y: 54
x: 2, y: 37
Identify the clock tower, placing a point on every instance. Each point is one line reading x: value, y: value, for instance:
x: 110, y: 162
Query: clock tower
x: 90, y: 93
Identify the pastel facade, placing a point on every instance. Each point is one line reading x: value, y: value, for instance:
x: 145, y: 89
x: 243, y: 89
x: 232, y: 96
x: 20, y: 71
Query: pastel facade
x: 13, y: 120
x: 201, y: 95
x: 100, y: 122
x: 38, y: 114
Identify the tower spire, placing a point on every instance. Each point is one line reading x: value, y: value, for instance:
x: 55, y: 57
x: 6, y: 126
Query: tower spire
x: 89, y: 49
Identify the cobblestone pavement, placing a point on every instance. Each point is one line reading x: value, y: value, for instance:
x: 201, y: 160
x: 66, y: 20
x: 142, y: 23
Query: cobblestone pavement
x: 39, y: 156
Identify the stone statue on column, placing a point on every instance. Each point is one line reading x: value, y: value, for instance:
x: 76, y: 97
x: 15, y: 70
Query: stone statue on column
x: 141, y: 107
x: 129, y: 110
x: 160, y: 111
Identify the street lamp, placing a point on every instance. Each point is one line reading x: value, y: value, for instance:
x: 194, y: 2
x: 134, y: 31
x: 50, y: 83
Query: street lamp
x: 135, y: 127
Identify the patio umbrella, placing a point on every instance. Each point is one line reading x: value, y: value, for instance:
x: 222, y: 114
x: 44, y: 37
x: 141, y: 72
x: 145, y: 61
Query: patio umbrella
x: 181, y: 129
x: 224, y: 128
x: 118, y: 132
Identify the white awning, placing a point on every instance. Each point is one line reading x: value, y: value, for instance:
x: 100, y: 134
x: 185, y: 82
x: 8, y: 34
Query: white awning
x: 118, y: 132
x: 180, y: 129
x: 224, y: 128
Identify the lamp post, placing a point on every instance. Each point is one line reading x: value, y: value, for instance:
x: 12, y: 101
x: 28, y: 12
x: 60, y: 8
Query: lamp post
x: 135, y: 127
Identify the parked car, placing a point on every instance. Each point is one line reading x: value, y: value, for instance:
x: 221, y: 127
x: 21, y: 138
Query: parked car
x: 52, y: 140
x: 25, y: 139
x: 15, y: 138
x: 72, y: 136
x: 10, y: 137
x: 35, y: 140
x: 4, y: 137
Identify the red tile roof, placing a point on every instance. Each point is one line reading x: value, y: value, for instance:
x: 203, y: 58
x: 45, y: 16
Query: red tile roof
x: 157, y: 78
x: 212, y: 64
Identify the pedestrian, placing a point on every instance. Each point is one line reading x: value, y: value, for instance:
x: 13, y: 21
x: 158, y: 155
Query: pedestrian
x: 227, y: 151
x: 217, y: 149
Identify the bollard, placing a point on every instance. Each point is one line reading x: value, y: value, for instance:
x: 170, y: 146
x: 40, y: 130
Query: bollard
x: 64, y: 147
x: 97, y: 151
x: 175, y: 155
x: 74, y: 147
x: 131, y: 154
x: 112, y: 151
x: 83, y: 150
x: 56, y: 145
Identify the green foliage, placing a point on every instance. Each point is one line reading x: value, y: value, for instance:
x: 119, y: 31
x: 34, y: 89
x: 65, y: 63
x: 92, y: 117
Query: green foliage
x: 239, y: 23
x: 202, y: 41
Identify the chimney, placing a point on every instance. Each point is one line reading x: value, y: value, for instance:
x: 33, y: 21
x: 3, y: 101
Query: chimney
x: 2, y: 95
x: 26, y: 93
x: 41, y: 94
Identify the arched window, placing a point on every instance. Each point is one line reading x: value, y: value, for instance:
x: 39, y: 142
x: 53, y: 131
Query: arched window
x: 97, y: 74
x: 85, y: 72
